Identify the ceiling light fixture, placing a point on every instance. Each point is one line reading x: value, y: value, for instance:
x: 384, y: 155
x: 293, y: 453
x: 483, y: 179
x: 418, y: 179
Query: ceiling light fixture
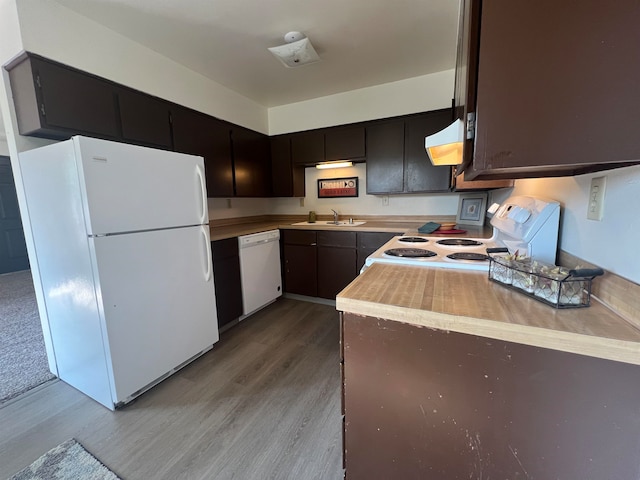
x: 334, y: 165
x: 296, y: 52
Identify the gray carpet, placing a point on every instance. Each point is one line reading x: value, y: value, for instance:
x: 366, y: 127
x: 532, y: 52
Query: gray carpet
x: 23, y: 359
x: 67, y: 461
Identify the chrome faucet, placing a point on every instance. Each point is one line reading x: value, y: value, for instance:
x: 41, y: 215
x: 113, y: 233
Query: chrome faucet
x: 335, y: 217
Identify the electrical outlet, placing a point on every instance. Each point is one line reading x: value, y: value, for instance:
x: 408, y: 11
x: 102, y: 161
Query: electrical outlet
x: 302, y: 201
x: 595, y: 207
x: 385, y: 200
x: 228, y: 203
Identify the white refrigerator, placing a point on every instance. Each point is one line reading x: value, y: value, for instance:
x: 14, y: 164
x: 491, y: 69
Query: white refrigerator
x: 122, y: 246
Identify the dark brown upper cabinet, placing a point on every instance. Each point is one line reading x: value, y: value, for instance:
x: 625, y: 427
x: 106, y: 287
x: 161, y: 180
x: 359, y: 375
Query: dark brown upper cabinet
x: 307, y: 148
x: 397, y: 161
x: 55, y: 101
x: 420, y: 175
x: 251, y: 162
x: 287, y: 179
x: 200, y: 134
x: 385, y: 157
x: 344, y: 143
x: 556, y: 87
x: 145, y: 119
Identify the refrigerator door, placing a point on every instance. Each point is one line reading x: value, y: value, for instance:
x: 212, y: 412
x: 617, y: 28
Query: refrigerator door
x: 126, y: 188
x: 157, y: 303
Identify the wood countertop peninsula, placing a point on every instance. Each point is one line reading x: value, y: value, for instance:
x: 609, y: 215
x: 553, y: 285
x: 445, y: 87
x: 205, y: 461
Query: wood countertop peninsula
x: 234, y: 227
x: 468, y: 302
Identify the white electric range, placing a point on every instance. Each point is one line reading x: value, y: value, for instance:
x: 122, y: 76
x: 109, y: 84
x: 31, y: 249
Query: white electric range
x: 525, y: 224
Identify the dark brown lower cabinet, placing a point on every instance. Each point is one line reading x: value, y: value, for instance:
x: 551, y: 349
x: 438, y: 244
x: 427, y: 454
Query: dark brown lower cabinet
x: 299, y: 255
x: 369, y: 242
x: 321, y: 263
x: 422, y: 403
x: 226, y: 276
x: 337, y: 262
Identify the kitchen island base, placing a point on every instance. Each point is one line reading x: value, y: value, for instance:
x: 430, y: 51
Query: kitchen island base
x: 426, y: 403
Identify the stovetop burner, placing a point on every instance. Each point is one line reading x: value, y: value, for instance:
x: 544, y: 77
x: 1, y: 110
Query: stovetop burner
x: 480, y: 257
x: 410, y: 252
x: 413, y: 240
x: 459, y: 242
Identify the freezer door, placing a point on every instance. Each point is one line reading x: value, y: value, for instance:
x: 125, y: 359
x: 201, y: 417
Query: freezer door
x: 127, y: 188
x: 158, y: 302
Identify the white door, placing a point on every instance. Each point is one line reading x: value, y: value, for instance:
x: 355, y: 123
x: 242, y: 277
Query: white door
x: 158, y: 302
x: 127, y: 188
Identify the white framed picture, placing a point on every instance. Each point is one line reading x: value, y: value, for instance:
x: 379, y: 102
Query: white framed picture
x: 472, y: 208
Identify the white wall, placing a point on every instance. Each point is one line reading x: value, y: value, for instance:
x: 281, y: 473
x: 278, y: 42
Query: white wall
x: 428, y: 92
x: 418, y: 94
x: 611, y: 243
x: 435, y: 204
x: 56, y: 32
x: 427, y: 205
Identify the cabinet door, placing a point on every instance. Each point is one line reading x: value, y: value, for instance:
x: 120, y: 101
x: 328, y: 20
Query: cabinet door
x: 300, y: 269
x: 344, y: 143
x: 419, y: 174
x: 307, y: 148
x: 336, y: 261
x: 467, y: 68
x: 145, y: 119
x: 300, y: 260
x: 385, y: 157
x: 56, y: 101
x: 226, y: 274
x: 287, y: 180
x: 251, y: 163
x: 336, y: 269
x: 559, y: 101
x: 200, y: 134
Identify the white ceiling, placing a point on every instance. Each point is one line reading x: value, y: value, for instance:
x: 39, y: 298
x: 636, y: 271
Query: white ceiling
x: 361, y: 42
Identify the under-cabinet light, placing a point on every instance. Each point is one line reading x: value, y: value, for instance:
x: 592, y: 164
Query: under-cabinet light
x: 334, y: 165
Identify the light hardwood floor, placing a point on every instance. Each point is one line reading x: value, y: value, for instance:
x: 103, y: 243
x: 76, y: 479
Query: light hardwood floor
x: 263, y: 404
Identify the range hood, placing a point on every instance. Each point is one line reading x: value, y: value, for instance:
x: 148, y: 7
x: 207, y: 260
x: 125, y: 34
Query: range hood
x: 446, y: 146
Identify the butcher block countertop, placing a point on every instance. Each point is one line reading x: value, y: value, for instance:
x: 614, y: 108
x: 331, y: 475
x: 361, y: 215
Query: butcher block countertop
x: 468, y: 302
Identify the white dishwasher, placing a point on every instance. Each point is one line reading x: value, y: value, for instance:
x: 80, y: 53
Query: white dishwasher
x: 260, y: 273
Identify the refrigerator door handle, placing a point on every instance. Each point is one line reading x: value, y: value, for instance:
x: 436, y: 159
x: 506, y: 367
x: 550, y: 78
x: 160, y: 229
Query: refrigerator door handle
x: 207, y: 253
x: 203, y: 194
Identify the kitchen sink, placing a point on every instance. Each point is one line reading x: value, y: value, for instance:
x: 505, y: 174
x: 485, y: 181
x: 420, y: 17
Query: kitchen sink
x: 330, y: 223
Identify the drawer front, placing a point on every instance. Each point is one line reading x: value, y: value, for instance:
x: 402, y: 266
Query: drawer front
x: 336, y: 239
x: 374, y: 240
x: 299, y: 237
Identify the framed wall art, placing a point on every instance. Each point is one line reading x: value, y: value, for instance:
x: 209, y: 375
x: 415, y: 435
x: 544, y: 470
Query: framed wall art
x: 337, y: 187
x: 472, y: 209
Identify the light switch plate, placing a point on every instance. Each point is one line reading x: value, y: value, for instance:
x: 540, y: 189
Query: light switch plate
x: 595, y: 207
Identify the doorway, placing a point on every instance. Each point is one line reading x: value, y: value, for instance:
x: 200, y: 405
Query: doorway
x: 23, y: 357
x: 13, y: 249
